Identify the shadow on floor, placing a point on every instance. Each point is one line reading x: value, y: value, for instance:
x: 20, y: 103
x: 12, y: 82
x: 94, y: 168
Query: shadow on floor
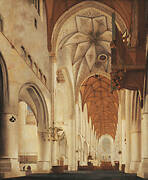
x: 81, y: 175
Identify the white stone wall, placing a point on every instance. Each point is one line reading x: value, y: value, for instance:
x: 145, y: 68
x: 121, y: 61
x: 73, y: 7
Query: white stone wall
x: 18, y: 18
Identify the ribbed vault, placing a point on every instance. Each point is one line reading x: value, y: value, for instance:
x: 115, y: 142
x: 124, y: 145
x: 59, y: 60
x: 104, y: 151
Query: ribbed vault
x: 102, y: 104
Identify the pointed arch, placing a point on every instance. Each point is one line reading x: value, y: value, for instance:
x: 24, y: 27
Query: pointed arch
x: 32, y: 95
x: 4, y: 88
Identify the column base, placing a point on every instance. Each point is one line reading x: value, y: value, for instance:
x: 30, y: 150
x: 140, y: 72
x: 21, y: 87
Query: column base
x: 134, y: 166
x: 143, y: 169
x: 43, y: 166
x: 10, y: 168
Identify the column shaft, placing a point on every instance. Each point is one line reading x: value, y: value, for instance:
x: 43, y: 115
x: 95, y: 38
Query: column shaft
x: 135, y: 151
x: 9, y: 144
x: 54, y: 153
x: 43, y: 152
x: 143, y: 168
x: 128, y: 118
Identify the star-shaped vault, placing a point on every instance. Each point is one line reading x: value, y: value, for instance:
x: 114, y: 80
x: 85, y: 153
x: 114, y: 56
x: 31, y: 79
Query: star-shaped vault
x: 91, y: 39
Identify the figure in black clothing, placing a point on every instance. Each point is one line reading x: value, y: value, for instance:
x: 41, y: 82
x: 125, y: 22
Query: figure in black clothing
x: 23, y: 168
x: 28, y: 172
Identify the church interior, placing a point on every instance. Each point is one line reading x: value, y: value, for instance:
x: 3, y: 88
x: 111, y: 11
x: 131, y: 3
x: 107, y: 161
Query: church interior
x: 73, y: 86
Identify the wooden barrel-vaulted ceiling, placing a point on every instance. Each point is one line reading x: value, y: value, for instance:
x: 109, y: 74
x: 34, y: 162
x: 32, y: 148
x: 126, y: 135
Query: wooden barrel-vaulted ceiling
x: 102, y: 104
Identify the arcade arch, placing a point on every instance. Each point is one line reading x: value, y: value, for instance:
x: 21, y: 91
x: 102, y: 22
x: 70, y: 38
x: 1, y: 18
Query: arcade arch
x: 31, y: 94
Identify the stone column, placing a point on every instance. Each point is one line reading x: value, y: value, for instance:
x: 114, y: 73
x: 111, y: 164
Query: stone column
x: 77, y: 133
x: 72, y: 147
x: 81, y: 153
x: 123, y: 127
x: 135, y: 151
x: 127, y: 125
x: 9, y: 144
x: 43, y: 152
x: 54, y: 153
x: 70, y: 156
x: 120, y: 134
x: 123, y: 155
x: 143, y: 168
x: 22, y: 112
x: 74, y: 168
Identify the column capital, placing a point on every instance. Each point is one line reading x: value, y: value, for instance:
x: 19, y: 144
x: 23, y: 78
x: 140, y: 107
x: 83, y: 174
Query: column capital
x: 51, y: 54
x: 53, y: 57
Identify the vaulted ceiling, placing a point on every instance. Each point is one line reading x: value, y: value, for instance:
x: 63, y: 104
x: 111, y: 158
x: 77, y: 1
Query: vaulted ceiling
x: 102, y: 104
x: 55, y: 8
x: 134, y: 14
x: 96, y: 90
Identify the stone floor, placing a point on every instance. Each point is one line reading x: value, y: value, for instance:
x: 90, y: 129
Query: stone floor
x: 81, y: 175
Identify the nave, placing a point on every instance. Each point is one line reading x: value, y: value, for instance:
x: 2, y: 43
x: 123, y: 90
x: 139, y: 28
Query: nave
x: 73, y: 88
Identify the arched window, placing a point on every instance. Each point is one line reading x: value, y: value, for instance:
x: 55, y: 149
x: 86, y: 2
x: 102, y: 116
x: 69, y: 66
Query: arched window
x: 1, y: 24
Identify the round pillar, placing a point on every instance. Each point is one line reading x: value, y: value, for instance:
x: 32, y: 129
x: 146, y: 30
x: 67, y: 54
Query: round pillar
x: 123, y: 155
x: 22, y: 113
x: 9, y: 143
x: 72, y: 164
x: 135, y: 151
x: 43, y: 153
x: 128, y: 103
x: 143, y: 168
x: 54, y: 153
